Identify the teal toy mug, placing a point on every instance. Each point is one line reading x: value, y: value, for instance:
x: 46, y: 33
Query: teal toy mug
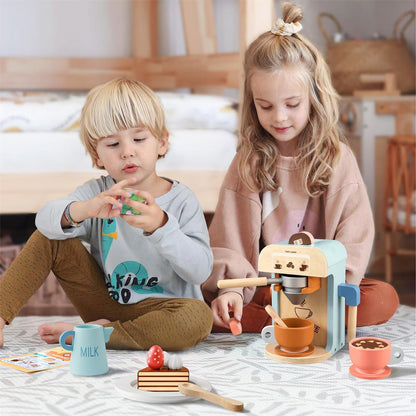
x: 88, y: 354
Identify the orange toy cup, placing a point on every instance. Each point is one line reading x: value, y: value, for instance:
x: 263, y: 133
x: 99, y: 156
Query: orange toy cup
x: 296, y: 337
x: 371, y: 355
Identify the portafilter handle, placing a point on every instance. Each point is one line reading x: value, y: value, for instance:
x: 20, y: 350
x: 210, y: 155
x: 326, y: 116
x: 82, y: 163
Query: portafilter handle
x: 249, y: 282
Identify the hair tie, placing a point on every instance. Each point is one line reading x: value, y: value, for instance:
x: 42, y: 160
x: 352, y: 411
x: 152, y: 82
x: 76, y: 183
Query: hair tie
x: 281, y: 28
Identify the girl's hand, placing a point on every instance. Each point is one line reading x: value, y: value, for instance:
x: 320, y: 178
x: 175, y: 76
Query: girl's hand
x: 223, y: 305
x: 2, y: 323
x: 151, y: 215
x: 104, y: 205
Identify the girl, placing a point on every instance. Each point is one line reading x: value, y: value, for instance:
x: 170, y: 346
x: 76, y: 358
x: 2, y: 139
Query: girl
x: 292, y: 172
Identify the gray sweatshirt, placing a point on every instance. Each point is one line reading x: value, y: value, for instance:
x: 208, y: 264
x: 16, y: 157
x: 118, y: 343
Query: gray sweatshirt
x: 171, y: 262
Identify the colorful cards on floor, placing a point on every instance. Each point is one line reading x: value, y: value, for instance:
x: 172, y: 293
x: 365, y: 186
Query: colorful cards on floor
x: 38, y: 361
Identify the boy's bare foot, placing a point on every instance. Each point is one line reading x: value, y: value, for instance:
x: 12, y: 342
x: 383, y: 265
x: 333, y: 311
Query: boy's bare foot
x: 50, y: 333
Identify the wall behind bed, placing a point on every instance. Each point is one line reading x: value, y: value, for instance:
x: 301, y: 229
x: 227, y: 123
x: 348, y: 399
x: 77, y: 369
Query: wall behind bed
x: 98, y: 28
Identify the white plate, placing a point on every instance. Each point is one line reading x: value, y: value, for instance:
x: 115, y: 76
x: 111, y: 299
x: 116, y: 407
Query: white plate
x: 127, y: 386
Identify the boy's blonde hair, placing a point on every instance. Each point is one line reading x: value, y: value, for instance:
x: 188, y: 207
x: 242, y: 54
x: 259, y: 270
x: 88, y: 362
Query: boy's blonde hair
x: 117, y: 105
x: 319, y: 142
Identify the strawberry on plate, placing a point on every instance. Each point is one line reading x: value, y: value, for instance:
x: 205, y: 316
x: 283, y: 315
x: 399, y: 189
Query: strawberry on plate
x: 155, y: 357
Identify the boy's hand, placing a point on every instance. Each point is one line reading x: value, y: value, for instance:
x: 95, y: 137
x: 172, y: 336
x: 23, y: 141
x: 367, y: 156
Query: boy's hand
x: 2, y: 323
x: 151, y: 215
x: 223, y: 305
x: 104, y: 205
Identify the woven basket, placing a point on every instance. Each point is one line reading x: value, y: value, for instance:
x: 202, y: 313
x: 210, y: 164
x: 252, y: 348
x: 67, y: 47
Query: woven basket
x: 350, y: 58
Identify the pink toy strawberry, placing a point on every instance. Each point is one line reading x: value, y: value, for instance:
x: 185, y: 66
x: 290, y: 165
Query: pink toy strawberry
x: 155, y: 357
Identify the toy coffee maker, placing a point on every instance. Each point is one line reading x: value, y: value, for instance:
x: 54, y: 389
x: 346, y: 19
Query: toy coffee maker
x: 307, y: 279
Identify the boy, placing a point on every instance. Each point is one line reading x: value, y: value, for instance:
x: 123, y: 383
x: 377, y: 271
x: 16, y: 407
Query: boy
x: 144, y: 272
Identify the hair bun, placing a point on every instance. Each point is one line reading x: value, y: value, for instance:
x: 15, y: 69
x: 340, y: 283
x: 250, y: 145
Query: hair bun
x: 291, y: 13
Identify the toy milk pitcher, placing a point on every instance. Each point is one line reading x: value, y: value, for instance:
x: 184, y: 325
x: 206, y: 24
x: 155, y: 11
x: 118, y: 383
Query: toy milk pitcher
x: 88, y: 354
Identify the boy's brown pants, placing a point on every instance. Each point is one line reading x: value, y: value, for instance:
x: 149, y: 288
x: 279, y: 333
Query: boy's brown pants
x: 172, y: 323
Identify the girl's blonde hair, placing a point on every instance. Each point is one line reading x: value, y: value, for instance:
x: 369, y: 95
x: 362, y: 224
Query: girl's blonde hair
x: 117, y: 105
x: 319, y: 143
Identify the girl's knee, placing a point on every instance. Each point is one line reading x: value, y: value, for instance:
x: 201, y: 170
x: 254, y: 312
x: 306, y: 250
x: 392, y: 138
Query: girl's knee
x: 379, y: 301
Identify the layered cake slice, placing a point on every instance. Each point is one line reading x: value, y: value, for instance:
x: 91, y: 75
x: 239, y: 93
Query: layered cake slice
x: 164, y: 379
x: 164, y: 373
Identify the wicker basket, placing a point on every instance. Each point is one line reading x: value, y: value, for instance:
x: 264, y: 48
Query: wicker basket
x: 350, y: 58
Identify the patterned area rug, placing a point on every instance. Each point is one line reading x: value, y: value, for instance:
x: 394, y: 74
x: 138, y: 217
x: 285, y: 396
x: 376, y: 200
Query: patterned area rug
x: 235, y: 367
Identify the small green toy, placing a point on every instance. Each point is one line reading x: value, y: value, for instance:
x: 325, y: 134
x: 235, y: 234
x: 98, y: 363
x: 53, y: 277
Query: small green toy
x: 127, y: 209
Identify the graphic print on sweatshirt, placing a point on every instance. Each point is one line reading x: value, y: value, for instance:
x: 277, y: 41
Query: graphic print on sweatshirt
x: 282, y: 215
x: 270, y: 202
x: 108, y: 234
x: 129, y: 280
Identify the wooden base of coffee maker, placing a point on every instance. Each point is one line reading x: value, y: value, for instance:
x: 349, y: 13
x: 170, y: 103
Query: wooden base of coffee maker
x: 319, y: 354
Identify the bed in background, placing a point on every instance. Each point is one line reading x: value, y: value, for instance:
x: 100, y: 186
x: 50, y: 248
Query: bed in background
x: 42, y: 157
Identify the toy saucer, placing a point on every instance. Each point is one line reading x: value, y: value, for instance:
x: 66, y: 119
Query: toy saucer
x: 318, y: 355
x: 281, y: 351
x: 356, y: 372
